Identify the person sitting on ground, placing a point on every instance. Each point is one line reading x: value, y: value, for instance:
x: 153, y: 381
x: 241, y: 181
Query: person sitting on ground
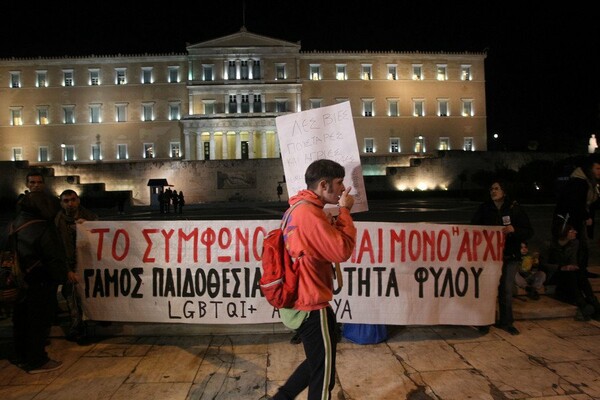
x: 529, y: 276
x: 573, y: 285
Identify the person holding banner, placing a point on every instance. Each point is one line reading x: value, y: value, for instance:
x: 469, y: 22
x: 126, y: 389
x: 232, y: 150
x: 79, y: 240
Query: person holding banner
x: 319, y: 240
x: 501, y: 210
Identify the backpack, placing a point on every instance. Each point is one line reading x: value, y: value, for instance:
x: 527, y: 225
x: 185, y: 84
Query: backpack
x: 279, y: 279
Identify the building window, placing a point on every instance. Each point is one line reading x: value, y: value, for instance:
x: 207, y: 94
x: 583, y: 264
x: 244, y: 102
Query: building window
x: 340, y: 72
x: 419, y: 144
x: 41, y: 78
x: 394, y: 145
x: 245, y: 104
x: 468, y: 144
x: 443, y: 108
x: 173, y: 72
x: 174, y: 150
x: 392, y: 72
x: 417, y: 72
x: 465, y: 72
x: 419, y: 108
x: 70, y: 153
x: 122, y: 152
x: 369, y: 148
x: 232, y: 104
x: 209, y: 107
x: 68, y: 77
x: 15, y: 79
x: 280, y: 72
x: 146, y: 75
x: 94, y: 77
x: 43, y: 154
x: 42, y: 115
x: 69, y: 114
x: 315, y: 72
x: 444, y: 143
x: 366, y: 72
x: 256, y: 69
x: 147, y: 112
x: 17, y: 154
x: 393, y: 107
x: 16, y: 116
x: 367, y: 108
x: 121, y: 76
x: 244, y: 70
x: 231, y: 70
x: 148, y: 150
x: 174, y: 111
x: 442, y: 72
x: 315, y: 103
x: 257, y: 105
x: 95, y: 117
x: 208, y: 72
x: 467, y: 108
x: 281, y: 105
x: 96, y: 155
x: 121, y: 112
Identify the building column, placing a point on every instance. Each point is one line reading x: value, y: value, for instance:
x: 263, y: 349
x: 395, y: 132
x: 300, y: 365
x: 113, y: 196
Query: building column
x: 199, y: 146
x: 251, y: 143
x: 212, y: 145
x: 224, y: 145
x: 263, y: 144
x: 187, y: 146
x: 277, y: 148
x: 238, y: 145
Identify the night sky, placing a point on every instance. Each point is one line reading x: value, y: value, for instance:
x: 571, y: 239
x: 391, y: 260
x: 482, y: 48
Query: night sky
x: 542, y: 66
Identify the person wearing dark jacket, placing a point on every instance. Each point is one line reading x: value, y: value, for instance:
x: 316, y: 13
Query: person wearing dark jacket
x: 41, y: 257
x: 501, y: 210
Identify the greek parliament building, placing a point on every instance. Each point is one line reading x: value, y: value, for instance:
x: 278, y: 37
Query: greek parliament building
x: 218, y: 102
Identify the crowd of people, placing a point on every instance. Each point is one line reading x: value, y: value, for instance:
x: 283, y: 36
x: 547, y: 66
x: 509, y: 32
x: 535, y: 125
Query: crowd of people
x: 169, y: 197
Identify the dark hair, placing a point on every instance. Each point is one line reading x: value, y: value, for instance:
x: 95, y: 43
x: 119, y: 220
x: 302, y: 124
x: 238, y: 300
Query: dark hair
x: 68, y: 192
x: 323, y: 169
x: 35, y: 172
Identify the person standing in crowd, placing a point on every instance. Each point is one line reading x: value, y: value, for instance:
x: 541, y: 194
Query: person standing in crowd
x: 167, y: 198
x: 181, y: 201
x: 72, y: 213
x: 575, y: 204
x: 319, y: 240
x: 501, y: 210
x: 175, y: 200
x: 572, y: 285
x: 42, y: 259
x: 35, y: 182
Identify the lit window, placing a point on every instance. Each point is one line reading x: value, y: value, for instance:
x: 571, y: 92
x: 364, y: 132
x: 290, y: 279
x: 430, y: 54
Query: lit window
x: 146, y: 75
x: 209, y: 107
x: 443, y: 108
x: 94, y: 77
x: 315, y: 103
x: 95, y: 114
x: 147, y: 111
x: 366, y: 72
x: 68, y: 78
x: 121, y: 76
x: 96, y: 154
x: 442, y: 72
x: 340, y: 72
x: 280, y: 71
x: 256, y: 74
x: 369, y: 145
x: 16, y: 116
x: 419, y: 144
x: 43, y: 154
x: 120, y: 112
x: 419, y: 108
x: 69, y: 114
x: 465, y: 72
x: 207, y: 72
x: 148, y: 150
x: 367, y: 108
x: 417, y: 74
x: 394, y: 145
x: 467, y: 108
x: 42, y: 115
x: 175, y: 150
x: 174, y: 111
x: 244, y: 70
x: 122, y: 152
x: 393, y: 107
x: 257, y: 105
x: 392, y: 72
x: 173, y: 74
x: 231, y: 70
x: 41, y: 78
x: 444, y: 143
x: 280, y: 105
x: 17, y: 153
x: 468, y: 144
x: 315, y: 72
x: 15, y: 79
x: 233, y: 104
x: 70, y: 153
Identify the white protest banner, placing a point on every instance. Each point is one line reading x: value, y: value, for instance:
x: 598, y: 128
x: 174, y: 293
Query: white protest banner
x: 207, y: 272
x: 325, y: 132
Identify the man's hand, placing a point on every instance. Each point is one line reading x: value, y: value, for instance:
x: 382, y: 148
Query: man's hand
x: 346, y: 199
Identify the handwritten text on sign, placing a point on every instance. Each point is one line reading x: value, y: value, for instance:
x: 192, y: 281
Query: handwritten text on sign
x: 208, y: 272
